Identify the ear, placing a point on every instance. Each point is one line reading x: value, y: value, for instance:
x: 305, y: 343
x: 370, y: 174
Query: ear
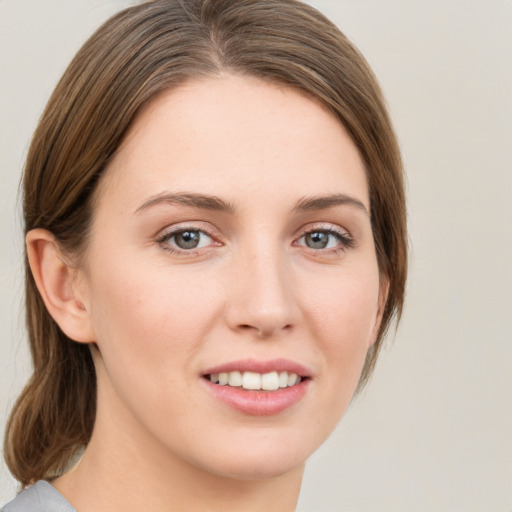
x: 382, y: 301
x: 59, y: 286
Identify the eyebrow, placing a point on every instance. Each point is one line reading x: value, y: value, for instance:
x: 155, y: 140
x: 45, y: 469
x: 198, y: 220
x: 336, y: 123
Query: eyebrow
x: 202, y: 201
x: 214, y: 203
x: 307, y: 204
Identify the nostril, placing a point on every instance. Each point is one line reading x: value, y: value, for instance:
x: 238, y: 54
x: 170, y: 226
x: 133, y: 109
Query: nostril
x: 263, y: 331
x: 249, y: 328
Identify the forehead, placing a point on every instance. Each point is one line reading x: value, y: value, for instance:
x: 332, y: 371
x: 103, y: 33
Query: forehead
x: 238, y: 137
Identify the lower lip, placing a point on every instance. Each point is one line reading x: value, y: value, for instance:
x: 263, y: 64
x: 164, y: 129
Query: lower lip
x: 259, y: 403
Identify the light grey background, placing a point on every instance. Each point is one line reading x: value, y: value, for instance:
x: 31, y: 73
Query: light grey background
x: 434, y: 430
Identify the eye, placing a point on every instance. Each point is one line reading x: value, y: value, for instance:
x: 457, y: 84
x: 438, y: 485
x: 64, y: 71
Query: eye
x: 322, y: 239
x: 186, y: 240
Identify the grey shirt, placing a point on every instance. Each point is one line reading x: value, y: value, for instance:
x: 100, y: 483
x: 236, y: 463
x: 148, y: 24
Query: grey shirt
x: 41, y: 497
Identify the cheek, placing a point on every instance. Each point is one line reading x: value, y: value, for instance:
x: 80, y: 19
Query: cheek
x: 344, y: 306
x: 343, y: 311
x: 149, y: 319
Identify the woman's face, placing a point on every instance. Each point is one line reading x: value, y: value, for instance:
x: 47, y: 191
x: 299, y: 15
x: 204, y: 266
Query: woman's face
x: 231, y: 240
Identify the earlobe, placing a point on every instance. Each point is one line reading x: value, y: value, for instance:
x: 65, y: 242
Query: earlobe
x: 58, y: 286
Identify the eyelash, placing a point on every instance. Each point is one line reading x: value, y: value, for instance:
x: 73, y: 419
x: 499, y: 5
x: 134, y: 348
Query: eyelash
x: 165, y: 238
x: 345, y: 241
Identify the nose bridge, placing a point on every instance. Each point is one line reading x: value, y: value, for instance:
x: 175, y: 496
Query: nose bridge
x: 262, y: 300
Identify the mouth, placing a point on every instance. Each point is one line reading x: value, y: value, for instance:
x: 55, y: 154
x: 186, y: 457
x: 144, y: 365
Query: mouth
x: 254, y: 381
x: 258, y: 388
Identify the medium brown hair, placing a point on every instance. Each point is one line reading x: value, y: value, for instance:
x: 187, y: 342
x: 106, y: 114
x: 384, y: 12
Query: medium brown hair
x: 138, y: 53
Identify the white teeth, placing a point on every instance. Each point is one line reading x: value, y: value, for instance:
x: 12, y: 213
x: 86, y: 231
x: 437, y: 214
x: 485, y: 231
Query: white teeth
x: 292, y: 379
x: 235, y: 379
x: 270, y: 381
x: 251, y: 380
x: 256, y: 381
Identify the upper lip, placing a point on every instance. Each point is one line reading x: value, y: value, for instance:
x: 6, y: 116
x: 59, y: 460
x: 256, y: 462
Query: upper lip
x: 257, y: 366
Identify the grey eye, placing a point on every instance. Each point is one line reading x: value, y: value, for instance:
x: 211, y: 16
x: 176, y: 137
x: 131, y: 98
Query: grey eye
x: 320, y: 240
x: 190, y: 239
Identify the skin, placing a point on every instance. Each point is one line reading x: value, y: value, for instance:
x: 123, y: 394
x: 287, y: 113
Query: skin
x: 252, y: 289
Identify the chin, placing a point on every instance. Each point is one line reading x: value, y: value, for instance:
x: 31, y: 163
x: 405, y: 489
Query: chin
x: 258, y: 455
x: 257, y: 468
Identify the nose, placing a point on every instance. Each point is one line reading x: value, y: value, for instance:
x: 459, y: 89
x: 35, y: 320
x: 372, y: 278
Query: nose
x: 262, y: 299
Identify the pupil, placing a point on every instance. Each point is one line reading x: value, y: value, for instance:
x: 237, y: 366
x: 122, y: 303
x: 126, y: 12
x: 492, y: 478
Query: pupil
x: 187, y: 239
x: 317, y: 240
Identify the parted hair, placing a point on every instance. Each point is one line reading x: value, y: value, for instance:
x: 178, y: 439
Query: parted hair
x: 145, y: 49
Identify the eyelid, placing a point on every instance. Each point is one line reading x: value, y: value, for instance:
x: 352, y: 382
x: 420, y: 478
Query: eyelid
x: 167, y: 233
x: 347, y: 241
x: 323, y: 226
x: 192, y: 225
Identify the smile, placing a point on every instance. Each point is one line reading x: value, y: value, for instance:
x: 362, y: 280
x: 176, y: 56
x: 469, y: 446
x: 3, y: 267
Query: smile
x: 270, y: 381
x: 259, y: 388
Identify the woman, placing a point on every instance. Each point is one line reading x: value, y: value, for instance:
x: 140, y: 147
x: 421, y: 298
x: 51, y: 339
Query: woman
x: 216, y: 246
